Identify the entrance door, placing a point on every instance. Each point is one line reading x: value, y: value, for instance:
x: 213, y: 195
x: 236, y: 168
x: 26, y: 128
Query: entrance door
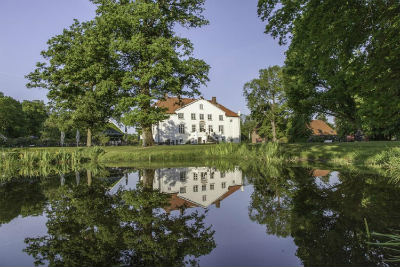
x: 199, y: 140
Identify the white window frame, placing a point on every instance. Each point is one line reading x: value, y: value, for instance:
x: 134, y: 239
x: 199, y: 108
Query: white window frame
x: 201, y: 117
x: 181, y: 128
x: 209, y: 116
x: 221, y: 117
x: 193, y: 116
x: 221, y: 129
x: 181, y: 116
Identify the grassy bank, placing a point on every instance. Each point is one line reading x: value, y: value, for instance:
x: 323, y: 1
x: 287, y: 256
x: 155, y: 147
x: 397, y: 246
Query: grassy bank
x: 336, y: 154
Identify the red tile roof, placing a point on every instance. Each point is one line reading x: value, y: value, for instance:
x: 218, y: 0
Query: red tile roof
x: 174, y: 103
x: 319, y: 127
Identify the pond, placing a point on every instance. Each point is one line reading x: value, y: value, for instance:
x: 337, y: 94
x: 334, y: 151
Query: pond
x: 207, y: 216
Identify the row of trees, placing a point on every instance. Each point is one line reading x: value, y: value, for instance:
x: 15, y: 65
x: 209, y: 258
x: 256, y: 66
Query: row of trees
x: 343, y: 61
x: 21, y: 119
x: 119, y: 63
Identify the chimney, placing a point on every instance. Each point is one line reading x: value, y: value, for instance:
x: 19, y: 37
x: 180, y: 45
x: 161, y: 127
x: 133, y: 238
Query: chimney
x: 218, y: 204
x: 214, y: 100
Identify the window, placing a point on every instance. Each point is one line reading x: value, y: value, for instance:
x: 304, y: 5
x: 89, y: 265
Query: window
x: 222, y: 175
x: 201, y: 106
x: 204, y: 197
x: 212, y: 186
x: 202, y: 117
x: 195, y: 176
x: 209, y: 117
x: 181, y: 128
x: 223, y: 185
x: 202, y: 127
x: 210, y: 129
x: 203, y: 175
x: 195, y: 188
x: 193, y: 128
x: 181, y: 141
x: 212, y: 175
x: 204, y: 187
x: 193, y: 115
x: 180, y: 116
x: 182, y: 176
x: 182, y: 190
x: 221, y: 129
x: 221, y: 117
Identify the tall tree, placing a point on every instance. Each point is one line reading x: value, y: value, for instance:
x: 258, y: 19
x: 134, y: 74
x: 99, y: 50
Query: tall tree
x: 343, y: 59
x: 81, y: 74
x: 266, y: 98
x: 155, y: 61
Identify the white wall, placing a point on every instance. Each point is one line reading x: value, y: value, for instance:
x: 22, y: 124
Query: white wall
x: 169, y: 129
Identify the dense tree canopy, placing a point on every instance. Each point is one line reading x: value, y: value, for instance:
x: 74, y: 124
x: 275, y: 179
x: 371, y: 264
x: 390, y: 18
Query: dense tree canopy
x: 343, y: 59
x: 265, y: 98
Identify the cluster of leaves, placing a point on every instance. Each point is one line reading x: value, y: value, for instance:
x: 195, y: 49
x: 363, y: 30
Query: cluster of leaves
x: 343, y: 60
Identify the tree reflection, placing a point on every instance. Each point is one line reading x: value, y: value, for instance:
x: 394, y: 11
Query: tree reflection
x: 271, y: 200
x: 87, y: 226
x: 325, y: 220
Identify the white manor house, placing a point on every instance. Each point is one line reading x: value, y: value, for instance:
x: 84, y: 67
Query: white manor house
x: 196, y: 121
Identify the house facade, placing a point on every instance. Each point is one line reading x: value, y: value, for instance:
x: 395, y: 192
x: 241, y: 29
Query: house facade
x: 196, y: 121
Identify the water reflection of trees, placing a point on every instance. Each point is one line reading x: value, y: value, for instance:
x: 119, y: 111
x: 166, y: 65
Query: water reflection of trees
x: 326, y: 222
x: 87, y: 226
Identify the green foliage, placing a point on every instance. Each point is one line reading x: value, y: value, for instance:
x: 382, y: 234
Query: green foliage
x: 341, y: 59
x: 103, y: 139
x: 35, y: 115
x: 389, y: 160
x: 12, y: 117
x: 265, y: 98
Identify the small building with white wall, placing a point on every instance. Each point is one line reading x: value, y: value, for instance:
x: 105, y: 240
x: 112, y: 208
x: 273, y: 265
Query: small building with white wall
x: 196, y: 121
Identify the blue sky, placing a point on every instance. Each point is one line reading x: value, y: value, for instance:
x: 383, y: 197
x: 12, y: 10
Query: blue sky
x: 234, y: 44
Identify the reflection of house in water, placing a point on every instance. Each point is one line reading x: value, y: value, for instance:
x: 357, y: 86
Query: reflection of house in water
x: 189, y: 187
x: 197, y: 187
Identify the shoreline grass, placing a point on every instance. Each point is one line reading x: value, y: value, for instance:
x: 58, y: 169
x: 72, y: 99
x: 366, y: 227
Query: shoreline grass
x: 370, y: 154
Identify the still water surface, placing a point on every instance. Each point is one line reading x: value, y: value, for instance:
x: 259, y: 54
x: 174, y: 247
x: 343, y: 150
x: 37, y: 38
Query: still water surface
x: 264, y: 216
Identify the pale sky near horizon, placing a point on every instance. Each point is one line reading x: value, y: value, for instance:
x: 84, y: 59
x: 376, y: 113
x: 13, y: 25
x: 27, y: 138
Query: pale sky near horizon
x: 234, y: 44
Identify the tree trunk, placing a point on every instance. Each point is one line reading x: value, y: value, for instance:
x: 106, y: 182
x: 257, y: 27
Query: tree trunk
x: 147, y: 137
x: 148, y: 179
x: 62, y: 138
x: 273, y: 131
x: 89, y: 177
x: 89, y: 138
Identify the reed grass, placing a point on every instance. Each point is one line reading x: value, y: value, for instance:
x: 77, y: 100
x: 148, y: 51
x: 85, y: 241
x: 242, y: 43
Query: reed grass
x: 389, y: 242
